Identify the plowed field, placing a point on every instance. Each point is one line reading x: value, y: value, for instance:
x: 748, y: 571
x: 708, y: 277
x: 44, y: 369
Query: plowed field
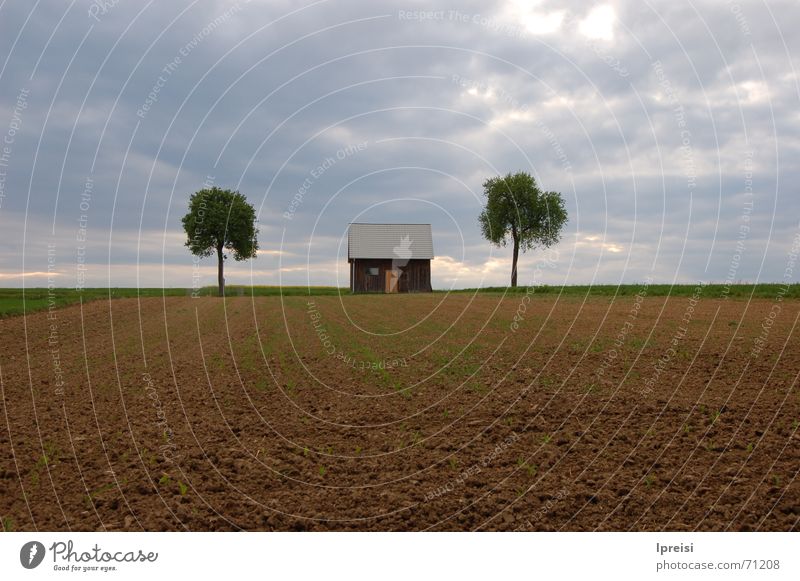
x: 425, y: 412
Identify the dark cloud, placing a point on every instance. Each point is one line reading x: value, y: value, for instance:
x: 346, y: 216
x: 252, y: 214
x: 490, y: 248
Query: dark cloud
x: 658, y: 126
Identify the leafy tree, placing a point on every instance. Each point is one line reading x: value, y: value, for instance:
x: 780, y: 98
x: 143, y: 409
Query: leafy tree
x: 220, y: 220
x: 518, y: 210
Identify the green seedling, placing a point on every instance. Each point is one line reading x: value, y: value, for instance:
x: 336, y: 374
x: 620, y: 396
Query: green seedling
x: 477, y: 387
x: 648, y: 480
x: 749, y: 448
x: 102, y: 489
x: 49, y: 456
x: 51, y: 452
x: 453, y: 462
x: 182, y: 488
x: 7, y: 523
x: 322, y: 470
x: 546, y: 438
x: 89, y: 498
x: 470, y: 369
x: 530, y: 468
x: 164, y: 480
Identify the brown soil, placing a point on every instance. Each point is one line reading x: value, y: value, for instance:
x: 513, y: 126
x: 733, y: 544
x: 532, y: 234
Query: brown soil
x: 425, y: 412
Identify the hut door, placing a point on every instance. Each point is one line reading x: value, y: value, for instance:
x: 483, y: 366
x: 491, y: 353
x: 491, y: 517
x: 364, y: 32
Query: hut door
x: 392, y: 280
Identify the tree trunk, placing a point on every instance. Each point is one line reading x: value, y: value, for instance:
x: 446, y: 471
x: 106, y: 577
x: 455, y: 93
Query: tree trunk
x: 514, y: 262
x: 220, y: 277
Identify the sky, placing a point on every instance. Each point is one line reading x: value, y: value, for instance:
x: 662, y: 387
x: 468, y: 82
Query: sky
x: 671, y: 129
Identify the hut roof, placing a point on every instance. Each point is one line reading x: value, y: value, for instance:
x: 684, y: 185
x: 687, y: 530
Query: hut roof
x: 396, y: 241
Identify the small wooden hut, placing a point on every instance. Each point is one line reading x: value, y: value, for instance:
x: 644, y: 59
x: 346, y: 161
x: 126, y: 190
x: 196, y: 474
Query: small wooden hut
x: 390, y: 258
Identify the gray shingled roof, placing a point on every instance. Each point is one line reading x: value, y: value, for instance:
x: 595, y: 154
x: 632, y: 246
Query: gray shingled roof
x: 397, y: 241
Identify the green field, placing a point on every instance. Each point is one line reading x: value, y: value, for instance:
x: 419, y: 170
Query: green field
x: 16, y: 301
x: 740, y: 291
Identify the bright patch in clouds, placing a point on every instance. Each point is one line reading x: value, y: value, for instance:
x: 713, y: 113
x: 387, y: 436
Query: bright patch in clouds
x: 511, y: 117
x: 599, y: 23
x: 543, y: 23
x: 27, y: 274
x: 452, y: 272
x: 594, y: 241
x: 523, y: 12
x: 504, y: 106
x: 754, y: 92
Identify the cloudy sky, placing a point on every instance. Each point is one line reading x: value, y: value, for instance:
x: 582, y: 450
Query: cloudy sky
x: 672, y: 129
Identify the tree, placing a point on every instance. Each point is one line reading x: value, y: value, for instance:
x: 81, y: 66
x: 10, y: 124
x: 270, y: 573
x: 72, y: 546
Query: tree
x: 517, y: 209
x: 221, y: 220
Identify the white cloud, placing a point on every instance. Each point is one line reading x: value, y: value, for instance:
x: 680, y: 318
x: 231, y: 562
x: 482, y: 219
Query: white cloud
x: 18, y: 275
x: 599, y: 23
x: 525, y: 13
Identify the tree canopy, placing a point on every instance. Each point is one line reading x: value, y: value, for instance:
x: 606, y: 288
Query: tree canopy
x: 517, y: 211
x: 220, y: 220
